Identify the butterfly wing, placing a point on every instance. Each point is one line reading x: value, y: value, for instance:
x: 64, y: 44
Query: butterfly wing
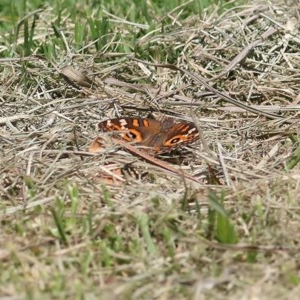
x: 180, y: 133
x: 136, y: 130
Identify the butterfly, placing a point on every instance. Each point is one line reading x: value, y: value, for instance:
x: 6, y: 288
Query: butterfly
x: 159, y: 136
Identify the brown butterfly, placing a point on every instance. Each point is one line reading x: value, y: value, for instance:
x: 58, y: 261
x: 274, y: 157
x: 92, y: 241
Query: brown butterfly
x: 161, y: 137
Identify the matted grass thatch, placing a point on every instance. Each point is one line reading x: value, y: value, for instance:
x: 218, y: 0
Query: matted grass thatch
x: 113, y: 225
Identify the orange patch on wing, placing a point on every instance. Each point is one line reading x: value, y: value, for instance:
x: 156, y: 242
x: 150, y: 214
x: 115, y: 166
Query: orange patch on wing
x: 133, y: 135
x: 135, y: 122
x: 115, y: 127
x: 146, y: 123
x: 185, y: 128
x: 180, y: 139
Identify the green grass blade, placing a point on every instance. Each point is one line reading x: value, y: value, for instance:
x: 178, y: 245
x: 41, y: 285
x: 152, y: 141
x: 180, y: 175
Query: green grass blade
x: 294, y: 160
x: 219, y: 221
x: 144, y: 226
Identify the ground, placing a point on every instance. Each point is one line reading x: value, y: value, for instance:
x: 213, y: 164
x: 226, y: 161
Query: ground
x: 215, y: 219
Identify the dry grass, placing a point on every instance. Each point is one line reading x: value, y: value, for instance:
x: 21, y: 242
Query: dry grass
x: 152, y: 234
